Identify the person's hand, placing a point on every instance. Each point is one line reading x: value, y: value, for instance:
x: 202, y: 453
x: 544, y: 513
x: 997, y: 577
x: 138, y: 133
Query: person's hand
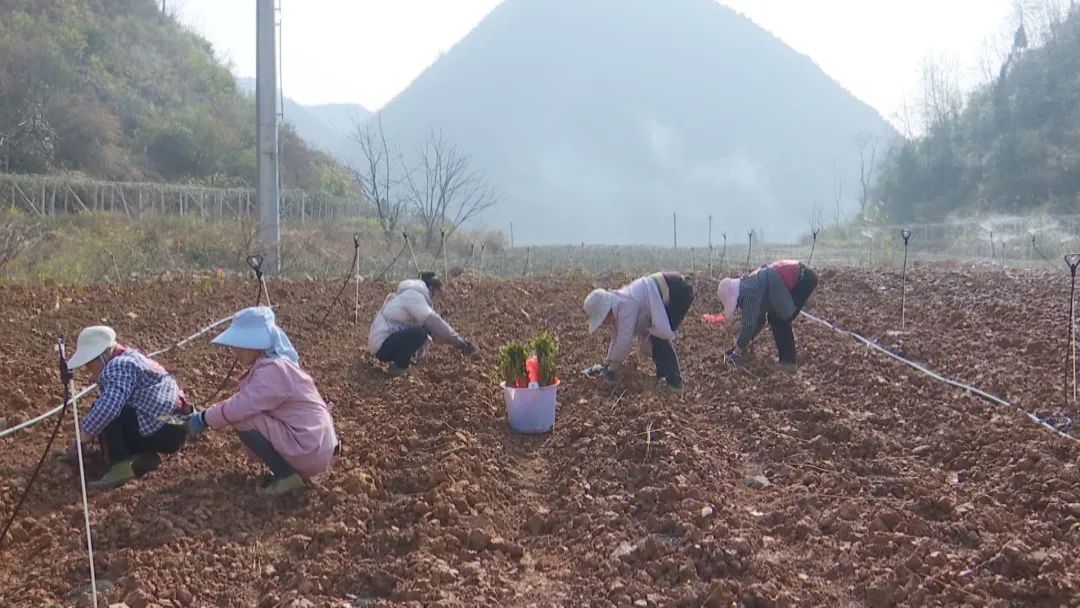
x: 733, y: 356
x: 595, y: 371
x: 465, y: 346
x: 195, y: 424
x: 69, y: 454
x: 421, y: 354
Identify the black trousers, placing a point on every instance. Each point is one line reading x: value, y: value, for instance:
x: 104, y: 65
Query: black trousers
x: 681, y: 296
x: 782, y: 330
x: 123, y: 441
x: 400, y: 347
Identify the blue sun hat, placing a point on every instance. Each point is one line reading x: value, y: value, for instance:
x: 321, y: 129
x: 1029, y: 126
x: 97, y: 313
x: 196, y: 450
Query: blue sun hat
x: 256, y: 328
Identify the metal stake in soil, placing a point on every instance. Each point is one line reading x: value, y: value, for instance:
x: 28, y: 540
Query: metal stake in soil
x: 528, y: 257
x: 813, y: 245
x: 710, y: 244
x: 904, y: 234
x: 749, y: 246
x: 356, y: 270
x: 1073, y: 260
x: 723, y: 251
x: 412, y: 252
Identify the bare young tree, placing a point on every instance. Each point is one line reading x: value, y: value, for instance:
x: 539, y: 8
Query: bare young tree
x: 866, y: 145
x: 376, y: 175
x: 445, y: 192
x: 942, y: 98
x: 838, y: 194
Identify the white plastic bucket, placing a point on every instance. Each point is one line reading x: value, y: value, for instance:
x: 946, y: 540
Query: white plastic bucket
x: 531, y: 410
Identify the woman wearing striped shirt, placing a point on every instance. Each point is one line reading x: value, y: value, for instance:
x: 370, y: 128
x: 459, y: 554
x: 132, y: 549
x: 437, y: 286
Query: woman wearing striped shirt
x: 772, y: 294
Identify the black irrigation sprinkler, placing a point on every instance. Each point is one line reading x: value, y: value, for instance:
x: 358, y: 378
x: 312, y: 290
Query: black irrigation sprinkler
x: 723, y: 251
x: 1073, y: 260
x: 813, y: 245
x: 255, y: 262
x: 1039, y: 251
x: 749, y: 246
x: 906, y: 235
x: 65, y: 379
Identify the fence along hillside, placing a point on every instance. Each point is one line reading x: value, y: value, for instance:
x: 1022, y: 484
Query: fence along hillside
x: 47, y: 196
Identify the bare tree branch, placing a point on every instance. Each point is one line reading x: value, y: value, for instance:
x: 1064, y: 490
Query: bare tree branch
x: 866, y: 145
x: 838, y: 193
x: 375, y: 177
x: 445, y: 193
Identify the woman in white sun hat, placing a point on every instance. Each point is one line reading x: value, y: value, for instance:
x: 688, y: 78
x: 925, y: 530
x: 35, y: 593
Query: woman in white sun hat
x: 277, y: 412
x: 135, y: 392
x: 650, y: 308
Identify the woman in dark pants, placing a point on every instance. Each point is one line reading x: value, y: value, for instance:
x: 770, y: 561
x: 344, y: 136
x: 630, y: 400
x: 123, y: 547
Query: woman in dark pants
x: 136, y: 392
x: 773, y: 294
x: 407, y: 320
x: 650, y: 308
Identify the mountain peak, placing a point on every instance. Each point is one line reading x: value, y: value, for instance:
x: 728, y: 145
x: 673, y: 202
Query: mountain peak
x: 610, y: 115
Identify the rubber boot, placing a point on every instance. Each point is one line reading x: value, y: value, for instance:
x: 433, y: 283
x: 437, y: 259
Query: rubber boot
x: 144, y: 463
x: 117, y: 475
x: 280, y: 487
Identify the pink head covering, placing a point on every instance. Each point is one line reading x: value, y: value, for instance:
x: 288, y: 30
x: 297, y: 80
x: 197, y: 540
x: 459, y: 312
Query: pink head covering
x: 729, y: 296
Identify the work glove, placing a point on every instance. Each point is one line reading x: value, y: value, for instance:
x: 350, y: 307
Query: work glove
x: 195, y: 424
x: 733, y: 356
x: 465, y: 346
x: 600, y: 371
x: 595, y: 371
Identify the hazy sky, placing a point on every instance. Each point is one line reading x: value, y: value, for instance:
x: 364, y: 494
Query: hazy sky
x: 366, y: 51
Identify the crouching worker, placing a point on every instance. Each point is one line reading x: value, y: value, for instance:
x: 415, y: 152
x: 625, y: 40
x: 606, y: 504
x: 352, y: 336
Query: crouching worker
x: 774, y: 294
x: 135, y: 392
x: 650, y: 308
x: 276, y: 412
x: 407, y: 321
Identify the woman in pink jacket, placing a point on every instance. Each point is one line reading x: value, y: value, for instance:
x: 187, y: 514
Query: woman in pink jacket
x: 276, y: 412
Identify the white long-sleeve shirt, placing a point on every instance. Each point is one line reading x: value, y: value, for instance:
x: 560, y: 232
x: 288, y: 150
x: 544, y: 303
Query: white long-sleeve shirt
x: 410, y: 306
x: 639, y: 311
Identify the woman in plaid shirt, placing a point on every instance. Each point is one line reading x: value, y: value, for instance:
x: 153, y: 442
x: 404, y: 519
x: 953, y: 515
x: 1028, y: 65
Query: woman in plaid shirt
x: 135, y: 392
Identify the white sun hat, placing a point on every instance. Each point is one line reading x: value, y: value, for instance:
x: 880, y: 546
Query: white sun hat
x: 728, y: 292
x: 598, y: 307
x: 92, y: 343
x: 256, y: 328
x: 250, y: 328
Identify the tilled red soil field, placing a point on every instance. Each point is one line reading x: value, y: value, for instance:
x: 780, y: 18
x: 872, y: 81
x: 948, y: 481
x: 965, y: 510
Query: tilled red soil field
x: 884, y: 487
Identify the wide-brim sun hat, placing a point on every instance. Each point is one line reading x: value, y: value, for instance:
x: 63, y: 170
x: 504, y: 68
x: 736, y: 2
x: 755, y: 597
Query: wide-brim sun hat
x: 250, y: 328
x: 728, y: 291
x: 91, y: 344
x: 598, y: 306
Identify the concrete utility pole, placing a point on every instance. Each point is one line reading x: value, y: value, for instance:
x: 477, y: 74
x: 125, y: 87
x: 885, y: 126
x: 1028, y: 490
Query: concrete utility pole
x: 267, y: 136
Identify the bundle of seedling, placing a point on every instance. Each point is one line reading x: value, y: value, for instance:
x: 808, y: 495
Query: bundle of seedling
x: 528, y: 364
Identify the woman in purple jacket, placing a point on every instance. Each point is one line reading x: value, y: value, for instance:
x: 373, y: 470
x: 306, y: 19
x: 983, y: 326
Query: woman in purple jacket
x: 277, y: 412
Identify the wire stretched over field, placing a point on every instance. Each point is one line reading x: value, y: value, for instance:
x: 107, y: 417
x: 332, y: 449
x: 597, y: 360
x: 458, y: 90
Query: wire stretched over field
x: 85, y: 391
x: 929, y: 372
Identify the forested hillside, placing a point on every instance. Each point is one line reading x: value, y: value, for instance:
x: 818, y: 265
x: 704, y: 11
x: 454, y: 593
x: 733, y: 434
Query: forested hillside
x: 117, y: 90
x: 1012, y: 146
